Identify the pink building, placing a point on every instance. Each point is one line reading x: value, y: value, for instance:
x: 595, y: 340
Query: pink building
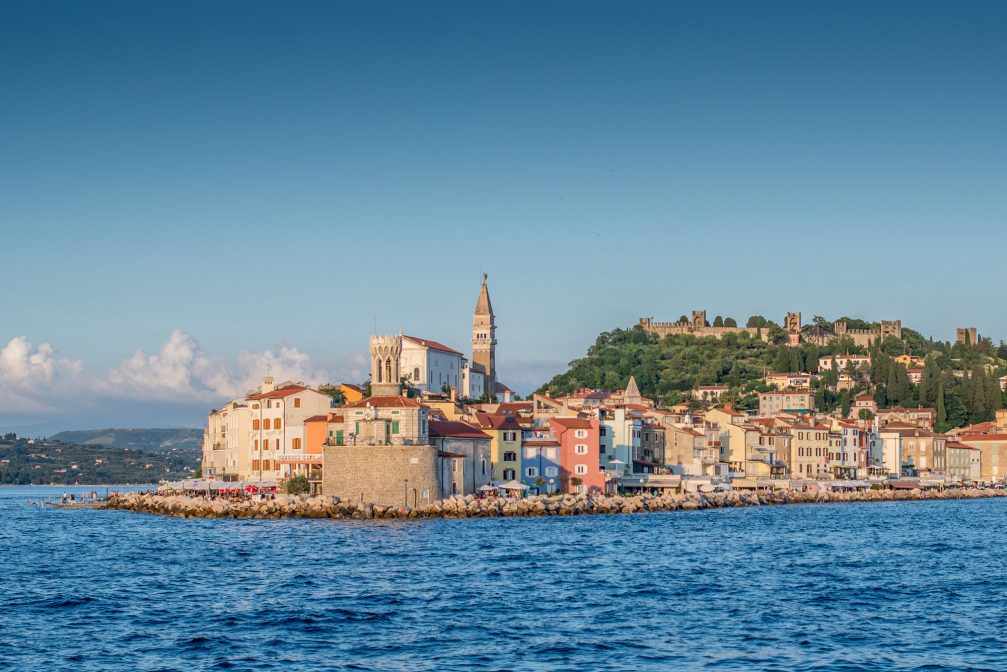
x: 580, y: 453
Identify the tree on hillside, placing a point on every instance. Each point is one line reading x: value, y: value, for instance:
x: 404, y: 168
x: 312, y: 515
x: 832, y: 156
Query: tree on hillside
x: 942, y: 411
x: 821, y: 322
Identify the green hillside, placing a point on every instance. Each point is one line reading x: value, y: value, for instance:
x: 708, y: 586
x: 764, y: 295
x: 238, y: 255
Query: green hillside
x: 186, y: 440
x: 40, y: 462
x: 959, y: 380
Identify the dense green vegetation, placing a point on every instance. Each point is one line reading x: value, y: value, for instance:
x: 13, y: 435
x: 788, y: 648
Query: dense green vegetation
x: 959, y: 380
x: 41, y: 462
x: 182, y: 440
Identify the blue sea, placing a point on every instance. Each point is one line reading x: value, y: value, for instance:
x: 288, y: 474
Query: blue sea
x: 890, y: 586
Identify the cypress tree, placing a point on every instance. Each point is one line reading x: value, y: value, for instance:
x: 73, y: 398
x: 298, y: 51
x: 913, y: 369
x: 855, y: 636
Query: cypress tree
x: 942, y: 411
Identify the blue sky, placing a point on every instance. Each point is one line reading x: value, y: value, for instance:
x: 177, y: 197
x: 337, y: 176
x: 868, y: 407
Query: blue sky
x: 228, y: 184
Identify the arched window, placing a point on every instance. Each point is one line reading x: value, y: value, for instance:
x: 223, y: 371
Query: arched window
x: 416, y: 374
x: 388, y: 370
x: 378, y: 369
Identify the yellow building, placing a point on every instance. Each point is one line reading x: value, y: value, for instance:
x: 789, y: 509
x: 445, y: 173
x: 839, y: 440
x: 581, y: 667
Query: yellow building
x: 505, y: 444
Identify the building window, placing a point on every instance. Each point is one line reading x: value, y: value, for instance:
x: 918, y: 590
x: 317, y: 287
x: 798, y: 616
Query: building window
x: 508, y: 474
x: 265, y: 423
x: 416, y: 374
x: 602, y: 431
x: 276, y: 423
x: 395, y: 426
x: 581, y: 449
x: 297, y: 403
x: 581, y: 434
x: 255, y: 424
x: 255, y: 465
x: 339, y: 437
x: 581, y: 469
x: 510, y: 457
x: 551, y: 471
x: 531, y: 472
x: 297, y: 444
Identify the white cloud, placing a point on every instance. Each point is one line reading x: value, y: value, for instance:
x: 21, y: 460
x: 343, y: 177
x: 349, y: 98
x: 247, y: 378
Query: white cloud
x: 178, y: 379
x: 30, y: 376
x: 182, y: 371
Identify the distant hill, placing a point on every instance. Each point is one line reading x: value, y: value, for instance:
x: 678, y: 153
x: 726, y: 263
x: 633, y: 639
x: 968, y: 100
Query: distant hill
x: 40, y: 461
x: 185, y: 441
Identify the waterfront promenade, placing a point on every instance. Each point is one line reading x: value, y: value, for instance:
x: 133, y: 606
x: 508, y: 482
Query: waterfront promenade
x: 292, y: 506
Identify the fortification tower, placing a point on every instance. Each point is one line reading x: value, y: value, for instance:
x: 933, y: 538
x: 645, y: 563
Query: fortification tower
x: 385, y: 379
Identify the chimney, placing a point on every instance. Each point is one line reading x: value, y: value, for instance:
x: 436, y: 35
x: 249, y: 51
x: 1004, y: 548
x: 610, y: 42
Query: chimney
x: 454, y: 394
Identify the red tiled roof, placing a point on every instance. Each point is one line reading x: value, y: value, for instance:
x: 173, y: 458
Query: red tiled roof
x: 385, y: 402
x: 487, y: 421
x: 433, y: 345
x: 573, y: 423
x: 983, y: 437
x: 278, y: 393
x: 443, y: 453
x: 456, y: 429
x: 514, y: 407
x: 317, y: 418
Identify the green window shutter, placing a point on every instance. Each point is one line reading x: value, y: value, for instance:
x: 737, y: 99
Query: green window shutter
x: 339, y: 437
x: 395, y: 426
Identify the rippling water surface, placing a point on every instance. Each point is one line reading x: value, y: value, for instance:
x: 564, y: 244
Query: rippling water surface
x: 912, y: 586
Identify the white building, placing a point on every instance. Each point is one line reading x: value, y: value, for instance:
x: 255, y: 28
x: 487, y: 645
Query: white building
x: 225, y: 442
x: 890, y: 446
x: 431, y: 366
x: 620, y: 431
x: 276, y: 431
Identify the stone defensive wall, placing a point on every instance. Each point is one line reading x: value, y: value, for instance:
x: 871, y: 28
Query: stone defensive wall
x: 662, y: 329
x: 302, y: 506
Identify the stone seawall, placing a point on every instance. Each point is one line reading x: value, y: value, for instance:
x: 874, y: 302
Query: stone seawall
x: 288, y: 506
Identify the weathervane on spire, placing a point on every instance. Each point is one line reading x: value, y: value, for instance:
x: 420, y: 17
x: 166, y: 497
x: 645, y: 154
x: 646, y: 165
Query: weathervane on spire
x: 485, y: 277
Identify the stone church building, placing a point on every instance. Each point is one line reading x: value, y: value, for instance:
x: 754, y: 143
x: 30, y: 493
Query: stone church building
x: 391, y: 453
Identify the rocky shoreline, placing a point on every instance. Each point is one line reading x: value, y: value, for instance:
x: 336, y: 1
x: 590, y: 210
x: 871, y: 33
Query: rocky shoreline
x: 302, y: 506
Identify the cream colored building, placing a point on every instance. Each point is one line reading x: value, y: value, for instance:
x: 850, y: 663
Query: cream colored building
x: 276, y: 433
x: 993, y: 455
x: 809, y: 451
x: 774, y: 403
x: 225, y: 443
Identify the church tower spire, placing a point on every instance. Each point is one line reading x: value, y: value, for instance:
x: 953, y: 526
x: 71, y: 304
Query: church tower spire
x: 484, y: 338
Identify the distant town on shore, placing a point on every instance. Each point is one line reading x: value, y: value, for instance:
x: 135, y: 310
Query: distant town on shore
x: 663, y: 406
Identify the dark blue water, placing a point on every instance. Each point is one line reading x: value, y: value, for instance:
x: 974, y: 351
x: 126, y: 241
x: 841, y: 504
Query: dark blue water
x: 908, y: 586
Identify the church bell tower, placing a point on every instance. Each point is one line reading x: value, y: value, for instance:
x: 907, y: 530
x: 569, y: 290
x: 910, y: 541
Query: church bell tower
x: 484, y: 339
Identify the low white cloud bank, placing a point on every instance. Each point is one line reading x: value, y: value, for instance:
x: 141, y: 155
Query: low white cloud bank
x: 35, y: 382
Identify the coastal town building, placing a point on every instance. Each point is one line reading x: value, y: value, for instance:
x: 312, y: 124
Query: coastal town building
x: 992, y: 454
x: 579, y: 454
x: 226, y: 456
x: 709, y: 393
x: 844, y: 362
x: 389, y: 455
x: 505, y: 432
x: 785, y: 401
x: 788, y: 381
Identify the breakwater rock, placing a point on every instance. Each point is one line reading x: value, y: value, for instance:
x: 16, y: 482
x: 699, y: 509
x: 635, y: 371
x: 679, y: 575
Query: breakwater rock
x: 302, y: 506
